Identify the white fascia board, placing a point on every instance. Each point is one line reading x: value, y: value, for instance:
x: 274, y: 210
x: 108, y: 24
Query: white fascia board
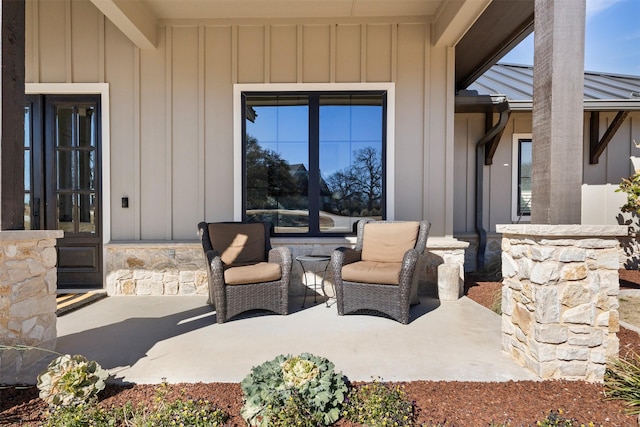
x: 588, y: 105
x: 453, y: 20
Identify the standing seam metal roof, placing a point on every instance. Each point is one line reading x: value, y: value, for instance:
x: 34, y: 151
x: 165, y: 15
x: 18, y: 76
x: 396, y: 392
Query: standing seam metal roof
x: 516, y: 82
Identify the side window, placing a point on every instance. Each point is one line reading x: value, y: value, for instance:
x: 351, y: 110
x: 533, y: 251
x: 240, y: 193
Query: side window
x: 313, y: 162
x: 522, y: 161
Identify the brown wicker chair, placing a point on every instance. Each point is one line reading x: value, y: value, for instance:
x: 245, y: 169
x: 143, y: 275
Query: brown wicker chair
x: 245, y: 273
x: 377, y: 275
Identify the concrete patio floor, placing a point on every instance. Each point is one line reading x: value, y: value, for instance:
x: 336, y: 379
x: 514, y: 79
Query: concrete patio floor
x: 146, y: 339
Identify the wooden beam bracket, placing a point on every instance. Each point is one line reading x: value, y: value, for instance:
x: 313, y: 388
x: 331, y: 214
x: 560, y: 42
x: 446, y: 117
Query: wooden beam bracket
x: 597, y: 147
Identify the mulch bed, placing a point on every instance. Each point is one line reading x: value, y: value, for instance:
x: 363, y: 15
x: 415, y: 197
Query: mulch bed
x: 453, y: 403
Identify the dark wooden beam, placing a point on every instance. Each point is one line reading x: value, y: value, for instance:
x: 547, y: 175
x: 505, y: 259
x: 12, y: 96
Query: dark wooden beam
x: 493, y: 134
x: 12, y: 142
x: 502, y: 25
x: 597, y: 147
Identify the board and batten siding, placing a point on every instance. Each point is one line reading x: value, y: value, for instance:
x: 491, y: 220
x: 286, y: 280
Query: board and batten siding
x: 600, y: 203
x: 171, y: 124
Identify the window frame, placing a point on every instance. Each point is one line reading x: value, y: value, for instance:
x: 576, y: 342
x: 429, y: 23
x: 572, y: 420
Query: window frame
x: 515, y: 176
x: 307, y: 88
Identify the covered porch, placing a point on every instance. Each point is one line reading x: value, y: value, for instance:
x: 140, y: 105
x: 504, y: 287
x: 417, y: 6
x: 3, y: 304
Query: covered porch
x: 148, y: 338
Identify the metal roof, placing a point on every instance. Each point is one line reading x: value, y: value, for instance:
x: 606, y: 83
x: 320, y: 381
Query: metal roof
x: 601, y: 90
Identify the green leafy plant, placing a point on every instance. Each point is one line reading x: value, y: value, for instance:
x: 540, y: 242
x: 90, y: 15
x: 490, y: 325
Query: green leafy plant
x: 379, y: 404
x: 557, y: 419
x: 81, y: 415
x: 302, y: 390
x: 630, y: 186
x: 622, y: 381
x: 71, y: 380
x: 180, y: 412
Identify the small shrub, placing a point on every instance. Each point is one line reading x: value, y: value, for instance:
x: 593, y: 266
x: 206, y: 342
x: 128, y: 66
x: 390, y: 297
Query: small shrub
x: 630, y: 186
x: 496, y: 303
x: 71, y: 380
x: 181, y: 412
x: 290, y: 390
x: 622, y: 382
x: 378, y: 404
x: 557, y: 419
x: 81, y: 415
x: 491, y: 270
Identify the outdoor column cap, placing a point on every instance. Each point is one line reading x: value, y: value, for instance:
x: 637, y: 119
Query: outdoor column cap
x: 565, y: 230
x: 24, y: 235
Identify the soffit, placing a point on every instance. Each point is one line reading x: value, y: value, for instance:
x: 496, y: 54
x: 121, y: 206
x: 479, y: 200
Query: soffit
x: 502, y: 25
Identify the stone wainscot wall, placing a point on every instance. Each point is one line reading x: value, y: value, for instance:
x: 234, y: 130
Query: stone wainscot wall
x: 27, y: 300
x: 179, y: 268
x: 559, y: 298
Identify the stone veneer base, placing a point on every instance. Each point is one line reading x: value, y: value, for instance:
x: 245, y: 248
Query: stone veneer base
x: 559, y: 298
x: 179, y: 268
x: 27, y: 301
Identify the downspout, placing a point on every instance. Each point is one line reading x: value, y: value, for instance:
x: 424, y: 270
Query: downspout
x: 492, y: 136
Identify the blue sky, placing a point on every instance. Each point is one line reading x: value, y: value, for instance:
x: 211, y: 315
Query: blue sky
x: 612, y: 39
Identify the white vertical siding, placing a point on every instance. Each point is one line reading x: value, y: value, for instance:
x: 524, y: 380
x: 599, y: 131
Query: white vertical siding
x: 119, y: 73
x: 600, y: 203
x: 172, y: 115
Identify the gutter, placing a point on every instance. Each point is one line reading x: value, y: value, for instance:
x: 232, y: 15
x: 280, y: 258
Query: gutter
x: 491, y: 139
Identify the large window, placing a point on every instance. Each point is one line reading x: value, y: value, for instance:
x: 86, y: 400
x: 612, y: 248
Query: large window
x: 522, y: 161
x: 313, y: 162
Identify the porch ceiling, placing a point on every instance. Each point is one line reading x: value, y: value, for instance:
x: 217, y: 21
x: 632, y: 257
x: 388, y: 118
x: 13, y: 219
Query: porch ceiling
x: 482, y: 30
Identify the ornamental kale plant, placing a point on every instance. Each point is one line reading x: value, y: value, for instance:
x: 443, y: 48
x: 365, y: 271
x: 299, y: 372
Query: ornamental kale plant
x: 71, y: 380
x: 302, y: 390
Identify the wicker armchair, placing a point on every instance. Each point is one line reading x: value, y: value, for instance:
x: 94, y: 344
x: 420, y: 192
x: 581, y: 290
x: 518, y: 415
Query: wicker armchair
x: 245, y: 273
x: 377, y: 275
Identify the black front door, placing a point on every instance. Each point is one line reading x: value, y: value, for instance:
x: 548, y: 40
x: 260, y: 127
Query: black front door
x: 62, y: 150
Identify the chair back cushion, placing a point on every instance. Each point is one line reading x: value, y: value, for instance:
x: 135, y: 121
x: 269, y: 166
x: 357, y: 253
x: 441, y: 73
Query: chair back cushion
x: 388, y: 242
x: 238, y: 243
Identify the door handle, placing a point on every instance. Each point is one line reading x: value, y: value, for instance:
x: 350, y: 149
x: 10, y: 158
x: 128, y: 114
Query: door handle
x: 36, y: 213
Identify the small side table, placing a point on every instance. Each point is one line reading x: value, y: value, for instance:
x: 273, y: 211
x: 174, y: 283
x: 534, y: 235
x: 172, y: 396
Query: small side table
x: 310, y: 261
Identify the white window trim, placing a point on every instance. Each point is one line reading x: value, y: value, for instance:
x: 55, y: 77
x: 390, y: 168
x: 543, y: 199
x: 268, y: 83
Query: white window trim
x: 515, y: 158
x: 238, y: 89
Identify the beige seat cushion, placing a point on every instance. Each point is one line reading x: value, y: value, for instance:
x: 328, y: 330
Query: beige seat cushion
x: 388, y: 242
x: 387, y: 273
x: 238, y: 243
x: 256, y: 273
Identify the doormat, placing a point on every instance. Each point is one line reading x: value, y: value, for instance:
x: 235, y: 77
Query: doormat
x: 69, y: 302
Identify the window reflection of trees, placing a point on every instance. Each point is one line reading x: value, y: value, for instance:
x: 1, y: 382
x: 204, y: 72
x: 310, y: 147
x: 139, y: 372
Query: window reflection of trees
x: 274, y: 185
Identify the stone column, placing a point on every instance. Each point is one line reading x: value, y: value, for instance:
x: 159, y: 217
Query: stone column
x: 28, y: 284
x: 558, y: 85
x: 559, y: 298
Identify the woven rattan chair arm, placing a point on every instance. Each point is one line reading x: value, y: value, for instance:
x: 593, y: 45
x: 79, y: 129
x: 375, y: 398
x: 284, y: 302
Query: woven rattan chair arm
x: 282, y: 255
x: 409, y: 262
x: 348, y: 255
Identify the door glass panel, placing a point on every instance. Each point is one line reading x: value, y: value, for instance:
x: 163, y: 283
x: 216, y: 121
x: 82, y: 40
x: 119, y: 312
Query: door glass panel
x: 27, y: 211
x: 64, y: 126
x: 351, y: 135
x: 65, y: 212
x: 524, y: 177
x: 64, y: 168
x: 86, y: 210
x: 86, y: 124
x: 86, y: 170
x: 277, y: 161
x: 27, y: 170
x: 27, y: 167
